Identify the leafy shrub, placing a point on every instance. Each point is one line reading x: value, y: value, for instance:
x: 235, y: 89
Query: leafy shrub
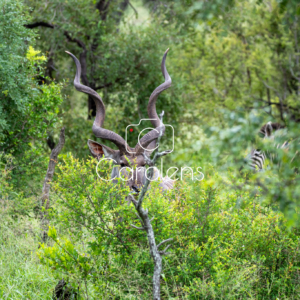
x: 28, y: 106
x: 12, y: 203
x: 227, y: 245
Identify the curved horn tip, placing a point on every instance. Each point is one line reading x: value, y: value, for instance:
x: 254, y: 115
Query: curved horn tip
x: 165, y: 54
x: 164, y: 58
x: 72, y: 55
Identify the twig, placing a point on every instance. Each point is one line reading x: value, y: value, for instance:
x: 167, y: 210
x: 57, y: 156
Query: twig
x: 164, y: 251
x: 135, y: 11
x: 37, y: 24
x: 165, y: 241
x: 139, y: 228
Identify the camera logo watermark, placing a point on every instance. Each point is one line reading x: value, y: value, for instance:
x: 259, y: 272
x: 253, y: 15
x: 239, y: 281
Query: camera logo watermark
x: 129, y: 128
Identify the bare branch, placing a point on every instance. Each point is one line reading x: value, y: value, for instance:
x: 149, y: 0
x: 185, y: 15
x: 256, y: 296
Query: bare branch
x: 74, y: 40
x: 269, y: 87
x: 293, y: 74
x: 147, y: 159
x: 164, y: 251
x: 130, y: 198
x: 135, y: 11
x: 38, y: 24
x: 163, y: 153
x: 139, y: 228
x: 51, y: 167
x: 139, y: 217
x: 164, y: 241
x: 146, y: 221
x: 48, y: 178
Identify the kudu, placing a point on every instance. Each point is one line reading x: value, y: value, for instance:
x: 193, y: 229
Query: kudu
x: 134, y: 158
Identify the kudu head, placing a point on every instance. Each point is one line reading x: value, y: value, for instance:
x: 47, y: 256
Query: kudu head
x: 125, y: 156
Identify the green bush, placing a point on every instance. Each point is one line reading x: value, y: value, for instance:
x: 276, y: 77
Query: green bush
x: 22, y: 276
x: 12, y: 203
x: 28, y: 107
x: 227, y: 245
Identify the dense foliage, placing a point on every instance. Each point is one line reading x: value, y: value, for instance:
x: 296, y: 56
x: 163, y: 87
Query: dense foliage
x: 30, y: 103
x: 234, y: 67
x: 227, y: 245
x: 27, y: 109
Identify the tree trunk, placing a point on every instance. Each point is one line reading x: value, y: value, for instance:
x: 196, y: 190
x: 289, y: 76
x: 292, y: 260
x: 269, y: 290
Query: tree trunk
x: 48, y: 178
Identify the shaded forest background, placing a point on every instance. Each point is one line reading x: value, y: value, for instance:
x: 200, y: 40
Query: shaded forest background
x: 234, y: 66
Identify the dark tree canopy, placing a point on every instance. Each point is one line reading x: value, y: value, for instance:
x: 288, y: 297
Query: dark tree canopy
x: 27, y: 108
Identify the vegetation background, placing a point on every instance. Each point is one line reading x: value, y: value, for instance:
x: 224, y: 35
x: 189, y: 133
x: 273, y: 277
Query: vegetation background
x: 234, y: 66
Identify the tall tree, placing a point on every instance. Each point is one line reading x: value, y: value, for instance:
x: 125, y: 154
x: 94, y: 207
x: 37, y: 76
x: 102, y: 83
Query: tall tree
x: 87, y: 16
x: 119, y: 60
x: 112, y: 54
x: 246, y: 57
x: 27, y: 110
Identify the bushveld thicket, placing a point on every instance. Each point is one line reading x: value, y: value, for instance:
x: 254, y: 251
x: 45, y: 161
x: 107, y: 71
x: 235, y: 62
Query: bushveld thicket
x: 234, y: 65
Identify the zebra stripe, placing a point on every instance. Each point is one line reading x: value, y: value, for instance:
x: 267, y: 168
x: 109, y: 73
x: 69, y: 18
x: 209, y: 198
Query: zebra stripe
x: 258, y: 157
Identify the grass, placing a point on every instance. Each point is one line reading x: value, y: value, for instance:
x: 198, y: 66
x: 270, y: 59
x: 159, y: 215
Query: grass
x: 21, y: 274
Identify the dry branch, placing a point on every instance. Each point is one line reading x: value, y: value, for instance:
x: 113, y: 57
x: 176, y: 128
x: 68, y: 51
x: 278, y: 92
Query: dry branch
x: 48, y: 178
x: 146, y: 221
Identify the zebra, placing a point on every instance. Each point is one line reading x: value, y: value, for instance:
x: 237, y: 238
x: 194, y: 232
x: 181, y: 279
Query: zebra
x: 257, y: 157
